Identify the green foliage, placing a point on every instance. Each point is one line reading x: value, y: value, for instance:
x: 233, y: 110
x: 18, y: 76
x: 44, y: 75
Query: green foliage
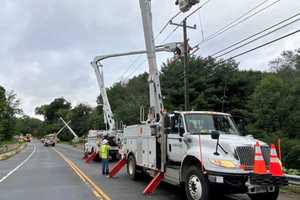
x: 29, y: 125
x: 79, y: 117
x: 57, y: 108
x: 8, y: 109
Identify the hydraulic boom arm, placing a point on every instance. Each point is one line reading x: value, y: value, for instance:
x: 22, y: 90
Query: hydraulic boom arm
x: 109, y: 118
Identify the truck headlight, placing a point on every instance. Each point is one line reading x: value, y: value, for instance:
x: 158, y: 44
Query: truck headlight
x: 224, y: 163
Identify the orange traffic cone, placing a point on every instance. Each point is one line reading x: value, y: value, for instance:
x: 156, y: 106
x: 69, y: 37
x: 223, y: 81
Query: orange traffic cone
x: 259, y: 162
x: 275, y: 163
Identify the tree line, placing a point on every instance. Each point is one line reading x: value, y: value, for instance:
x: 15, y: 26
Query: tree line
x: 264, y: 104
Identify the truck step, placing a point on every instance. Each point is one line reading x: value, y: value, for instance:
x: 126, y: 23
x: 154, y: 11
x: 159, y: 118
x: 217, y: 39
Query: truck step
x: 154, y: 183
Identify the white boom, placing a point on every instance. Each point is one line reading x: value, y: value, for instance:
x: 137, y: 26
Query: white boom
x: 156, y: 103
x: 70, y: 129
x: 60, y: 130
x: 108, y: 115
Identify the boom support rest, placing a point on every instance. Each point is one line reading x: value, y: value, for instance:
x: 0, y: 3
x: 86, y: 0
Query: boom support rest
x: 117, y: 167
x: 151, y: 187
x: 91, y: 157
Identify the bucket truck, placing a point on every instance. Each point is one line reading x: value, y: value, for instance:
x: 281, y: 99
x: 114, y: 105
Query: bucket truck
x: 202, y: 151
x: 111, y: 134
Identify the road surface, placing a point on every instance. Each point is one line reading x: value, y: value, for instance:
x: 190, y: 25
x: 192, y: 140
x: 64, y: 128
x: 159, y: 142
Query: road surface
x: 50, y: 173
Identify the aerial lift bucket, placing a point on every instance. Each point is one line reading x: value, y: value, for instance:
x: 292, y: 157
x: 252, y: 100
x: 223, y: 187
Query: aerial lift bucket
x: 117, y: 167
x: 151, y: 187
x: 91, y: 157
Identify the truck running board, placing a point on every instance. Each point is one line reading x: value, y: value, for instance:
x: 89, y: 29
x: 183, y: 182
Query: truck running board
x: 151, y: 187
x: 91, y: 157
x: 117, y: 167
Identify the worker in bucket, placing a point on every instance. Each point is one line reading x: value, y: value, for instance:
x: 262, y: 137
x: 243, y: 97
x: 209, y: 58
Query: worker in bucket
x: 104, y: 155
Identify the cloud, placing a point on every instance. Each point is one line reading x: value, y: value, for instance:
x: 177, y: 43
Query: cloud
x: 46, y: 46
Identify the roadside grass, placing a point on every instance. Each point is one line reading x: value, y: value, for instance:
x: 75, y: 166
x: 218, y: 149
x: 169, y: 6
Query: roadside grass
x: 291, y: 189
x: 6, y: 142
x: 7, y: 145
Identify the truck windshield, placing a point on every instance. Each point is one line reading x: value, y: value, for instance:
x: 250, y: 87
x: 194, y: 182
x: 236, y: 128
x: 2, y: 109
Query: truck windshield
x: 205, y: 123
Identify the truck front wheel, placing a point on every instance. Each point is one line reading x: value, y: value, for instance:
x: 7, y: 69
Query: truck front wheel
x: 265, y: 196
x: 196, y: 184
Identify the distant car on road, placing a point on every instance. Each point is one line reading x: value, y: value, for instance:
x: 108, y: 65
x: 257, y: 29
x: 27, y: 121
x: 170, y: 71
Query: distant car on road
x: 49, y: 142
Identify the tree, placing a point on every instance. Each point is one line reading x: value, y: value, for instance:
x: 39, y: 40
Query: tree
x: 9, y: 107
x: 26, y: 124
x: 57, y: 108
x: 79, y: 117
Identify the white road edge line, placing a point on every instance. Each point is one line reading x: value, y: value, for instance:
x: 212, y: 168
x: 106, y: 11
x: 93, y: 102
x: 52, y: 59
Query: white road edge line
x: 20, y: 165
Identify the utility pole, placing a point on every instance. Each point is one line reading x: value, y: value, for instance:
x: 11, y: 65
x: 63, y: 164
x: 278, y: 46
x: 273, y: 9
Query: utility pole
x: 185, y: 67
x: 185, y: 60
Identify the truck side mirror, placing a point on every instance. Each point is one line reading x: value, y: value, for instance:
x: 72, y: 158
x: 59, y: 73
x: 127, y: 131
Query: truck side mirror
x: 215, y: 135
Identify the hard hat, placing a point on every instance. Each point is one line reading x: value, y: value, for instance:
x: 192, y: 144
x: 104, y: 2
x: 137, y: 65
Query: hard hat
x: 104, y: 141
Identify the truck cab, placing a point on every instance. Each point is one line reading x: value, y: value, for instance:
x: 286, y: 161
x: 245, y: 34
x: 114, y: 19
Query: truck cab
x: 184, y: 125
x: 209, y: 152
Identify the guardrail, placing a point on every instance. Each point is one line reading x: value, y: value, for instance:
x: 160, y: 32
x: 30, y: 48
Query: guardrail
x: 293, y: 180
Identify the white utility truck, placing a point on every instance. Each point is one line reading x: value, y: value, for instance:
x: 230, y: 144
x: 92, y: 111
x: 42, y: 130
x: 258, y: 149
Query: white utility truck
x: 201, y: 150
x: 94, y: 139
x: 113, y: 135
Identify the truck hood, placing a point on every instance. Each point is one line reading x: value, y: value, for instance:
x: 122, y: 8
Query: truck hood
x: 229, y: 142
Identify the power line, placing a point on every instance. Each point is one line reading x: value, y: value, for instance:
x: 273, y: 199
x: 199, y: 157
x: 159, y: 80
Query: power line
x: 164, y: 40
x: 253, y: 49
x: 237, y: 21
x: 258, y: 33
x: 135, y: 69
x: 140, y: 56
x: 240, y: 19
x: 265, y: 44
x: 262, y: 36
x: 166, y: 25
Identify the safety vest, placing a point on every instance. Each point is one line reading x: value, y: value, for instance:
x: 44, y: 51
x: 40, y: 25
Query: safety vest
x: 104, y: 151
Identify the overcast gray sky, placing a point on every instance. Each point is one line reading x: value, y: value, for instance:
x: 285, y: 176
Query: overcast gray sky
x: 46, y: 46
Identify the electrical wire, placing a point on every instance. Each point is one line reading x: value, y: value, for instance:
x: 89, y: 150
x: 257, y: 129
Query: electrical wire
x: 253, y: 49
x: 258, y: 33
x: 265, y: 44
x: 251, y: 41
x: 238, y: 21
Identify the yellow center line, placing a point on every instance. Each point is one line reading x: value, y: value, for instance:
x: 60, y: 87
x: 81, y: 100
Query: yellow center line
x: 98, y: 192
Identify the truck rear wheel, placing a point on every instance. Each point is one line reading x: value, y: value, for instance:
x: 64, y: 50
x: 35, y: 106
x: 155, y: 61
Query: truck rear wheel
x: 196, y: 184
x: 131, y: 168
x: 265, y: 196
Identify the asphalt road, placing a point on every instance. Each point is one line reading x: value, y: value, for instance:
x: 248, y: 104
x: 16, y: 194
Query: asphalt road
x: 46, y: 175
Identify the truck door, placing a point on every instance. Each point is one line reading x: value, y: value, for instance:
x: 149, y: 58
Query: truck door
x: 175, y: 145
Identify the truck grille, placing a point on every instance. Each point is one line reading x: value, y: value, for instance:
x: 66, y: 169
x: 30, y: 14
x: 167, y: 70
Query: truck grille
x: 246, y: 156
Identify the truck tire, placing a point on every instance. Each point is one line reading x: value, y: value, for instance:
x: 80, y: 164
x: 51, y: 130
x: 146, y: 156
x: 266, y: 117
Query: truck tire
x: 131, y: 168
x: 265, y: 196
x: 196, y: 184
